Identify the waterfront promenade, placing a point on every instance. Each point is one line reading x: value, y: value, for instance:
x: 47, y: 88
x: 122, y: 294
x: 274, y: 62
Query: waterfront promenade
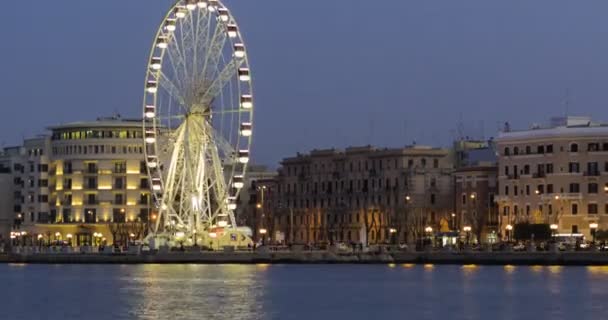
x: 318, y: 257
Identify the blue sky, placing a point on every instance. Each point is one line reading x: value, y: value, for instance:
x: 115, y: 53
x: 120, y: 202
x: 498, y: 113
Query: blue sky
x: 327, y: 73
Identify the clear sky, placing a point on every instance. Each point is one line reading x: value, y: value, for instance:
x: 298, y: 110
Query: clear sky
x: 327, y: 72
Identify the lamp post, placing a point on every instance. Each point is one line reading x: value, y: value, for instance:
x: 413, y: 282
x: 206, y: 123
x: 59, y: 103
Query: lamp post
x: 467, y: 229
x: 553, y: 229
x: 509, y: 229
x: 453, y: 221
x: 593, y: 226
x: 429, y: 231
x: 392, y: 231
x: 263, y: 233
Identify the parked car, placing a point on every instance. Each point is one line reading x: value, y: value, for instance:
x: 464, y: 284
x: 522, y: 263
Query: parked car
x: 519, y: 247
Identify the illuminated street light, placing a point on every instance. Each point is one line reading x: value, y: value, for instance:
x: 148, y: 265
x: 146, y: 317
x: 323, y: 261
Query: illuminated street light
x: 593, y: 226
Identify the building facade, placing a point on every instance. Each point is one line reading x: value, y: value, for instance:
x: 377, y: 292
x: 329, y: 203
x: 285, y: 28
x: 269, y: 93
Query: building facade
x: 85, y: 183
x: 555, y: 175
x: 475, y: 190
x: 363, y: 195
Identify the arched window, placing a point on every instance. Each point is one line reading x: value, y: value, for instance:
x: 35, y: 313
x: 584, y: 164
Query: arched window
x: 507, y: 152
x: 573, y: 147
x: 515, y: 150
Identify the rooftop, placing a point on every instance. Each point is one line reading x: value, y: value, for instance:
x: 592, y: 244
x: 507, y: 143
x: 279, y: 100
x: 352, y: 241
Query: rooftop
x: 106, y: 122
x: 558, y: 127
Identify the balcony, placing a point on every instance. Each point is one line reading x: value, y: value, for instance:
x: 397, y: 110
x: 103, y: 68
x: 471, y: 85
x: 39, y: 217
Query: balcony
x: 593, y: 173
x: 539, y: 175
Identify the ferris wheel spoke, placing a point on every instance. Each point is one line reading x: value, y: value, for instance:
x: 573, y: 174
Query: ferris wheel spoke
x: 171, y: 88
x: 223, y: 77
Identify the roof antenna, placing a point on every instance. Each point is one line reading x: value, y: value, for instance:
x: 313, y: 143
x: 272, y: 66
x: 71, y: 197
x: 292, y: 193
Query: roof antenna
x: 567, y: 102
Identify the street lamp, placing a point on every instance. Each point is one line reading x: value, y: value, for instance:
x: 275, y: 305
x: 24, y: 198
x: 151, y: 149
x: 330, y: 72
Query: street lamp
x: 467, y: 229
x: 509, y: 229
x: 553, y: 229
x: 593, y: 226
x: 453, y: 221
x: 429, y: 231
x: 392, y: 231
x: 263, y: 233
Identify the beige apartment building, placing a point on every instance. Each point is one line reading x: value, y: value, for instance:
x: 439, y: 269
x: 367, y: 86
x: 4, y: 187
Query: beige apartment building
x: 86, y: 183
x: 363, y: 195
x: 555, y: 175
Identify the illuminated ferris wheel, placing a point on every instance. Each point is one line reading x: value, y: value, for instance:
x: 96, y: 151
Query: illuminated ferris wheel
x: 198, y: 113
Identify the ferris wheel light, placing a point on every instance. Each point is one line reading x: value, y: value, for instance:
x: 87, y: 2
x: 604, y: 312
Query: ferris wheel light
x: 155, y: 63
x: 156, y: 186
x: 239, y: 50
x: 246, y: 129
x: 150, y: 112
x: 243, y: 156
x: 222, y: 224
x: 151, y: 86
x: 213, y: 4
x: 223, y: 13
x: 232, y: 30
x: 170, y: 24
x: 244, y: 74
x: 191, y: 6
x: 180, y: 12
x: 162, y: 42
x: 202, y: 4
x: 150, y: 136
x: 246, y: 101
x: 238, y: 182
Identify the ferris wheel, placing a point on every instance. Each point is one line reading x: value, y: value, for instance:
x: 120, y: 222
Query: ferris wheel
x: 198, y: 114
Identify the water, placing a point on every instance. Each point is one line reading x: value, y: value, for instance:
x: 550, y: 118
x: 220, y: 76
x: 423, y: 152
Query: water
x: 176, y: 292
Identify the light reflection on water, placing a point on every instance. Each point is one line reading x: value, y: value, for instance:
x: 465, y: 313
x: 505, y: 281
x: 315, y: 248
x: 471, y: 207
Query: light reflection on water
x: 302, y: 292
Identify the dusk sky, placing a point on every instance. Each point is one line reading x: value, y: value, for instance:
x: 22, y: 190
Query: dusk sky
x: 326, y: 72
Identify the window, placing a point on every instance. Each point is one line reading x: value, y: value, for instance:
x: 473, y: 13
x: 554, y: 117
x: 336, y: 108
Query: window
x: 515, y: 150
x: 592, y: 188
x: 574, y: 147
x: 593, y: 169
x: 118, y: 198
x: 550, y: 209
x: 573, y: 167
x: 540, y: 149
x: 527, y: 210
x: 591, y: 147
x: 528, y: 150
x: 506, y: 191
x: 526, y: 169
x: 549, y: 167
x: 550, y: 188
x: 506, y: 170
x: 592, y: 208
x: 574, y: 188
x: 505, y: 210
x: 515, y: 190
x: 549, y: 148
x: 507, y: 152
x: 435, y: 163
x: 433, y: 198
x: 527, y: 190
x: 574, y: 208
x: 574, y: 228
x: 540, y: 189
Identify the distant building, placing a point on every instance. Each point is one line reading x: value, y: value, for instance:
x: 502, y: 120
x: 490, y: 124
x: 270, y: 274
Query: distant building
x: 86, y: 183
x: 362, y: 194
x: 555, y: 175
x: 475, y: 185
x: 475, y: 190
x: 255, y: 204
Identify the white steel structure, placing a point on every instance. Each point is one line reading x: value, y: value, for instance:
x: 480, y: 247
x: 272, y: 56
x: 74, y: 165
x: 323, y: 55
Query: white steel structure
x: 198, y: 113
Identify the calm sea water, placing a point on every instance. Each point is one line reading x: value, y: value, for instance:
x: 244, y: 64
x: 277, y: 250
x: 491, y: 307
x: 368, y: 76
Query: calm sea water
x: 301, y: 292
